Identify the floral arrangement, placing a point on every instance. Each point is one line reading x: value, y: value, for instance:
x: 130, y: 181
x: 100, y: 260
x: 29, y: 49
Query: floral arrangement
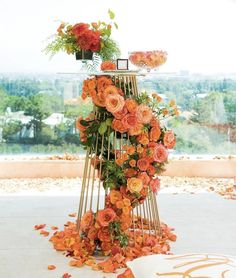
x: 129, y: 176
x: 94, y: 37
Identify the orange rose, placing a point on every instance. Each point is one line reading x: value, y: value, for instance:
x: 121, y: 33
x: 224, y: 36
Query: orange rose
x: 92, y: 233
x: 130, y: 150
x: 104, y: 235
x: 155, y: 185
x: 129, y: 121
x: 103, y: 82
x: 155, y: 134
x: 105, y: 216
x: 114, y: 103
x: 160, y: 153
x: 86, y: 220
x: 140, y: 149
x: 151, y: 170
x: 144, y: 177
x: 91, y: 84
x: 136, y: 130
x: 119, y: 115
x: 131, y: 105
x: 118, y: 126
x: 108, y: 65
x: 155, y: 122
x: 144, y: 114
x: 115, y: 196
x: 143, y: 164
x: 169, y: 139
x: 134, y: 185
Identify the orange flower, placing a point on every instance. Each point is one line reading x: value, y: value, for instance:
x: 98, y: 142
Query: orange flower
x: 79, y: 126
x: 140, y: 149
x: 104, y: 235
x: 131, y: 105
x: 120, y: 114
x: 91, y: 84
x: 144, y: 114
x: 169, y: 139
x: 155, y: 122
x: 157, y: 97
x: 130, y: 172
x: 108, y: 65
x: 103, y: 82
x: 151, y: 170
x: 119, y: 204
x: 143, y: 138
x: 165, y: 112
x: 118, y: 126
x: 132, y: 163
x: 130, y: 150
x: 126, y: 210
x: 172, y: 103
x: 144, y: 177
x: 143, y: 164
x: 126, y: 202
x: 115, y: 196
x: 155, y: 134
x: 160, y: 153
x: 134, y: 185
x: 119, y: 161
x: 105, y: 216
x: 136, y: 130
x: 86, y: 220
x: 92, y: 233
x: 176, y: 111
x: 106, y: 246
x: 114, y: 102
x: 129, y: 121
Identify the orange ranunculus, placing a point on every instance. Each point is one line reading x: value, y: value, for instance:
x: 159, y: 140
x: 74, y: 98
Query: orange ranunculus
x: 115, y: 196
x: 169, y: 139
x: 160, y: 153
x: 86, y: 220
x: 136, y: 130
x: 140, y: 149
x: 130, y: 172
x: 129, y: 121
x: 155, y: 134
x: 130, y: 150
x: 125, y: 156
x: 144, y: 177
x: 143, y: 164
x: 118, y: 126
x: 105, y: 216
x: 108, y: 65
x: 92, y: 233
x: 126, y: 210
x: 104, y: 235
x: 134, y: 185
x: 143, y: 138
x: 114, y: 103
x: 165, y: 112
x: 119, y: 115
x: 132, y: 163
x: 126, y: 202
x: 119, y: 204
x: 144, y: 114
x: 79, y: 126
x: 119, y: 161
x: 131, y: 105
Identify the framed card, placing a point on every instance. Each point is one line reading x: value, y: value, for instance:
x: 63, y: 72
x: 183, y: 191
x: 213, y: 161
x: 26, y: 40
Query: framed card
x: 122, y: 64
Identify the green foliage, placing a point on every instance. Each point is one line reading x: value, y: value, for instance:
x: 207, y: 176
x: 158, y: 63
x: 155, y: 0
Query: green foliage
x: 10, y: 130
x: 116, y: 233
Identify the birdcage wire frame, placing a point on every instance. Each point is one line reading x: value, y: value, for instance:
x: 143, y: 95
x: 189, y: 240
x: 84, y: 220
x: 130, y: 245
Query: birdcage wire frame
x: 145, y: 216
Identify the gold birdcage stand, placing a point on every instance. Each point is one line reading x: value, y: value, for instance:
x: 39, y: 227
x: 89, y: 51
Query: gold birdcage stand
x: 145, y: 216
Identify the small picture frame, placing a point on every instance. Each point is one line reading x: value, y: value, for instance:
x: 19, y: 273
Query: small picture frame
x: 122, y: 64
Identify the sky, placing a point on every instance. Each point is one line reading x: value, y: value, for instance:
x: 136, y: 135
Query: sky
x: 199, y: 35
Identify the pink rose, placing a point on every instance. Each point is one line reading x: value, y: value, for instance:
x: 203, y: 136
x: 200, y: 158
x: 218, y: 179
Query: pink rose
x: 169, y: 139
x: 143, y: 114
x: 160, y: 153
x: 114, y: 103
x: 119, y: 115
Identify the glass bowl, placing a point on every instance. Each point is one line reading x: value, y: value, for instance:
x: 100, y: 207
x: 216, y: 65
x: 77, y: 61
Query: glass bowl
x: 148, y: 59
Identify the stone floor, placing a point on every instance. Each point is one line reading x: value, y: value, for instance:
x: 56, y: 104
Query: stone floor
x: 204, y: 222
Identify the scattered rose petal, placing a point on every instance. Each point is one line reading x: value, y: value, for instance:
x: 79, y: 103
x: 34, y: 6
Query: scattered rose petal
x: 39, y: 226
x: 66, y: 275
x: 54, y: 228
x: 44, y: 233
x: 72, y: 214
x: 51, y: 267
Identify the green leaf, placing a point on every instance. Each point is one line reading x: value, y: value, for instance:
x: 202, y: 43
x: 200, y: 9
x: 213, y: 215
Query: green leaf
x: 111, y: 14
x: 84, y: 123
x: 116, y: 25
x: 108, y: 121
x: 102, y: 128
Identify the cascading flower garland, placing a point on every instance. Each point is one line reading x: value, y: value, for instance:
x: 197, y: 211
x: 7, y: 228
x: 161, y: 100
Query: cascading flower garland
x: 129, y: 173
